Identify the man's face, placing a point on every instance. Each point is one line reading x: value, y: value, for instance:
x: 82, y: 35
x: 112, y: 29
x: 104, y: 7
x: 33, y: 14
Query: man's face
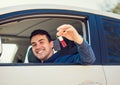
x: 41, y: 47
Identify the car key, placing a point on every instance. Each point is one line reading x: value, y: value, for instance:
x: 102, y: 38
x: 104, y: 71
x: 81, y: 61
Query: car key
x: 62, y: 41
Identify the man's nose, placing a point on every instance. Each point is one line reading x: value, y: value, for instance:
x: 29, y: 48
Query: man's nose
x: 38, y: 46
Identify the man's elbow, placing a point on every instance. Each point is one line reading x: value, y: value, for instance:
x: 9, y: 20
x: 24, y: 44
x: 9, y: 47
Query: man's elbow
x: 89, y: 62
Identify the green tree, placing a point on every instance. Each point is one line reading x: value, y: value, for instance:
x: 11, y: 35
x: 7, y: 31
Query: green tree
x: 116, y: 9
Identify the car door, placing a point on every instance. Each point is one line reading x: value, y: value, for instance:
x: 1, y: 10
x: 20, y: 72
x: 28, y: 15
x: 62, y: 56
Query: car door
x: 110, y: 48
x: 16, y: 27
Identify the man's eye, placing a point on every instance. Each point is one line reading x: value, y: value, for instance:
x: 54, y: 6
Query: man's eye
x: 33, y: 45
x: 41, y: 42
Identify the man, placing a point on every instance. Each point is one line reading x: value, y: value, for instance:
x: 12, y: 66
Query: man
x: 42, y: 47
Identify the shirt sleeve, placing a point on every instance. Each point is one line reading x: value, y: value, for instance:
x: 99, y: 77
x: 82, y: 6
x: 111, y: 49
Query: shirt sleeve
x: 86, y: 53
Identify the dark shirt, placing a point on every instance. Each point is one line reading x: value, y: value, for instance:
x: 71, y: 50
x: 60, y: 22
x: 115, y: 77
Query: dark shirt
x: 84, y: 55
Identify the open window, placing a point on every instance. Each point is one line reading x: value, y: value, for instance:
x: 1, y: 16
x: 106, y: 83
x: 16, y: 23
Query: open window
x: 17, y: 29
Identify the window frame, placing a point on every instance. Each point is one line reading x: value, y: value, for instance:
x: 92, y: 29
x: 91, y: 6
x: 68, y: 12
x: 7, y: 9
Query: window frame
x: 25, y: 14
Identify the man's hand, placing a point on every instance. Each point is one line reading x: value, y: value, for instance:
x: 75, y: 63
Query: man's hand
x: 69, y: 32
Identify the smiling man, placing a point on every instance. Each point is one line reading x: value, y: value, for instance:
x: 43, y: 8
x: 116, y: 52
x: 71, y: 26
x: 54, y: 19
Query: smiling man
x: 42, y: 47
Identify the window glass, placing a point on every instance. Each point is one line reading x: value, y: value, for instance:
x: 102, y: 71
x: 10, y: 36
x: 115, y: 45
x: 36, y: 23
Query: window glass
x: 112, y: 38
x: 9, y: 51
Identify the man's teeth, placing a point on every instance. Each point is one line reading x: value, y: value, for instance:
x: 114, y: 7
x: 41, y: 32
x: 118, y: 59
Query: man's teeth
x: 40, y: 51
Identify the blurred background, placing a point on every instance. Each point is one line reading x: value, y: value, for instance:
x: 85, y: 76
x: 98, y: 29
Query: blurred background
x: 110, y: 6
x: 102, y: 5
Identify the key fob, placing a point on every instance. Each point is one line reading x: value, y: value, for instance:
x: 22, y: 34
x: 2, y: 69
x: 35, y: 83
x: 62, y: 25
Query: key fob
x: 57, y: 45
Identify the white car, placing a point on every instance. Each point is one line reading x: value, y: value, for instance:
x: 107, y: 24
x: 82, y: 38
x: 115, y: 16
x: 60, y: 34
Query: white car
x: 100, y: 30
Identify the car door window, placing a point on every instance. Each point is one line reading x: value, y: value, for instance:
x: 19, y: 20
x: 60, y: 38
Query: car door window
x: 19, y: 29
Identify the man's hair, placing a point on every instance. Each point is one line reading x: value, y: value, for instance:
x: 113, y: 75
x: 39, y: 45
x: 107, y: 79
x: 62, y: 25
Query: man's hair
x: 41, y: 32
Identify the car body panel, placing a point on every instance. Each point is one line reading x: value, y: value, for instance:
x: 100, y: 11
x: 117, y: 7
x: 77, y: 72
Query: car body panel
x: 52, y: 75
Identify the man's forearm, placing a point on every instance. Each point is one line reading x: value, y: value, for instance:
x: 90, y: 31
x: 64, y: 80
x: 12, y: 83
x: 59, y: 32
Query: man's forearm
x: 86, y: 53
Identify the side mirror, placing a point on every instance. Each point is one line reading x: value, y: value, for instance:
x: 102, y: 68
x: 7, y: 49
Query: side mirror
x: 0, y: 46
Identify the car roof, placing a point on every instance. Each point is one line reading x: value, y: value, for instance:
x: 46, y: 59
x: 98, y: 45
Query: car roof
x: 14, y: 8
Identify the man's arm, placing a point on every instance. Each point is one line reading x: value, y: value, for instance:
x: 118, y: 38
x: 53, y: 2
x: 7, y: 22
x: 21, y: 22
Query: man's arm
x: 86, y: 53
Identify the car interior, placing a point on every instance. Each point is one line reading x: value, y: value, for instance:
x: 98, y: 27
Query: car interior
x: 17, y: 32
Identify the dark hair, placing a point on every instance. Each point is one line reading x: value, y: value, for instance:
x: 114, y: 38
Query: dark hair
x: 41, y: 32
